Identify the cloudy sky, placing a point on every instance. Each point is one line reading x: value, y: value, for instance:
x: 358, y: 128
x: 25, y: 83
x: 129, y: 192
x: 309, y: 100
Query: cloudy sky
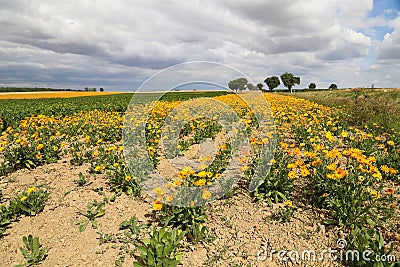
x: 119, y: 44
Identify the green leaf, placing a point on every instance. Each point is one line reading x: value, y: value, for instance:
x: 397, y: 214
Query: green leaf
x: 83, y: 225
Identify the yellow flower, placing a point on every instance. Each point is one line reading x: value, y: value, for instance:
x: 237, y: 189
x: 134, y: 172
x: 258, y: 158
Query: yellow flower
x: 99, y: 168
x: 206, y: 194
x: 292, y: 174
x: 159, y: 191
x: 157, y: 205
x: 344, y: 134
x: 288, y: 203
x: 390, y: 143
x: 176, y: 183
x: 385, y: 169
x: 200, y: 182
x: 340, y: 173
x: 331, y: 167
x: 55, y: 148
x: 31, y: 189
x: 128, y: 178
x: 23, y: 198
x: 169, y: 198
x: 116, y: 165
x: 38, y: 156
x: 39, y: 146
x: 202, y: 174
x: 218, y: 175
x: 304, y: 172
x: 95, y: 153
x: 375, y: 194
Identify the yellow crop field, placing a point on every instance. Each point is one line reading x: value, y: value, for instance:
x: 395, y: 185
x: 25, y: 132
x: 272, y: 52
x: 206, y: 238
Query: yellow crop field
x: 37, y: 95
x: 87, y: 182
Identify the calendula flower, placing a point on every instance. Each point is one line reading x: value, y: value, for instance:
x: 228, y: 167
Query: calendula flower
x: 38, y: 156
x: 332, y: 167
x: 39, y: 146
x: 169, y: 198
x: 200, y: 182
x: 374, y: 193
x: 128, y: 178
x: 159, y: 191
x: 23, y: 198
x: 31, y: 189
x: 340, y: 173
x: 116, y: 165
x: 390, y: 143
x: 292, y: 174
x: 390, y: 191
x: 157, y: 205
x: 99, y: 168
x: 206, y: 194
x: 385, y: 169
x: 176, y: 183
x: 288, y: 203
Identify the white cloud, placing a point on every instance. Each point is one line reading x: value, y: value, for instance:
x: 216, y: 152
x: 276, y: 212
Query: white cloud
x: 389, y: 48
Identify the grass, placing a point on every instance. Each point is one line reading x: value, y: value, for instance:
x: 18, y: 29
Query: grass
x: 364, y: 106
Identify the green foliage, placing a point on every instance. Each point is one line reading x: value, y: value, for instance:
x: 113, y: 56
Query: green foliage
x: 161, y: 250
x: 33, y: 251
x: 282, y: 214
x: 312, y: 86
x: 132, y: 227
x: 289, y: 80
x: 4, y: 220
x: 333, y: 86
x: 260, y: 86
x: 29, y: 203
x: 277, y: 186
x: 82, y: 180
x: 188, y: 219
x: 272, y: 82
x: 94, y: 210
x: 238, y: 84
x: 373, y: 241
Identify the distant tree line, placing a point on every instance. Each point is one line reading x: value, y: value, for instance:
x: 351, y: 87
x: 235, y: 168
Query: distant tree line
x: 42, y: 89
x: 27, y: 89
x: 288, y: 80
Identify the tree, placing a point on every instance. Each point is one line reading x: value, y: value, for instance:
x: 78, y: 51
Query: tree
x: 101, y: 89
x: 260, y: 86
x: 312, y: 86
x: 238, y: 84
x: 332, y: 86
x: 250, y: 86
x: 272, y: 82
x: 289, y: 80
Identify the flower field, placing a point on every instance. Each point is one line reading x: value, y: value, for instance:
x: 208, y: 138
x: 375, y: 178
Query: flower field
x: 64, y: 179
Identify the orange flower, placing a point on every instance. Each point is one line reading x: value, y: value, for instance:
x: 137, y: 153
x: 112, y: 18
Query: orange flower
x: 390, y: 191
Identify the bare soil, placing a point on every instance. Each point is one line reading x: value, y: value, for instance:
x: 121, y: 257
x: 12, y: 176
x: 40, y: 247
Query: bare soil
x: 237, y: 224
